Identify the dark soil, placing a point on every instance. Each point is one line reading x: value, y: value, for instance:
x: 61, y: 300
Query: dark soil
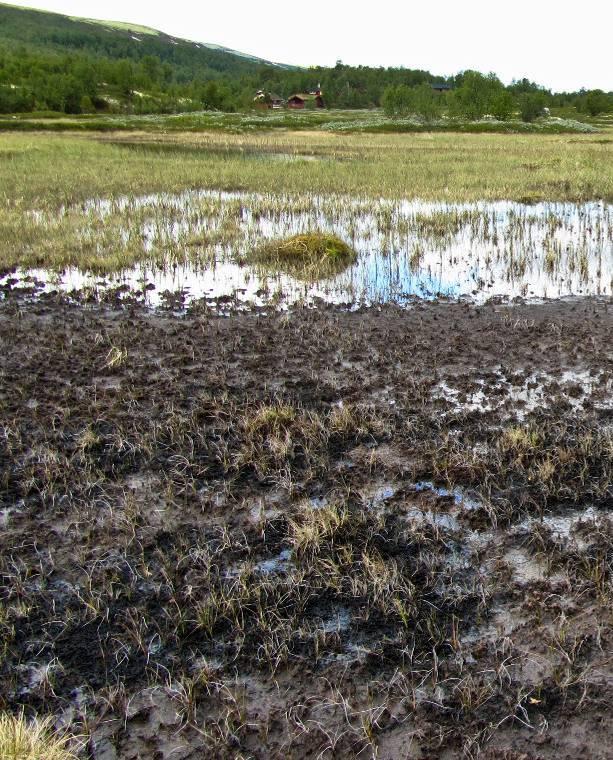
x: 384, y: 533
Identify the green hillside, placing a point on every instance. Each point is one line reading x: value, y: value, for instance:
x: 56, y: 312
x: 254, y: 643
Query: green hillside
x: 54, y: 32
x: 55, y: 63
x: 136, y: 29
x: 51, y: 62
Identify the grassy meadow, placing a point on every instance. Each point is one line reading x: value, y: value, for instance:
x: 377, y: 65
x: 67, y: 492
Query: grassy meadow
x: 45, y: 178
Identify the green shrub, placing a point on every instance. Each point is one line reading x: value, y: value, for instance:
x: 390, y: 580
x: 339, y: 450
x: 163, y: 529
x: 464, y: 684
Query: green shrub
x: 597, y: 101
x: 531, y: 105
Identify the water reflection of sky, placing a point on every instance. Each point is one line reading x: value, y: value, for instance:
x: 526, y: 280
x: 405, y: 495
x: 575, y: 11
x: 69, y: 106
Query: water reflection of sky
x: 497, y: 248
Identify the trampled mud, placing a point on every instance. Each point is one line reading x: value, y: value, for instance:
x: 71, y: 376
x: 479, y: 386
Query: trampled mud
x: 321, y: 533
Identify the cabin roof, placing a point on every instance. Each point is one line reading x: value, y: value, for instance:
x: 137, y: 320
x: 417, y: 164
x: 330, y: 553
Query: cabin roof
x: 303, y: 96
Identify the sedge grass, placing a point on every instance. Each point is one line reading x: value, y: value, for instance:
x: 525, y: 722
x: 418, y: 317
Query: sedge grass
x: 60, y: 169
x: 53, y: 175
x: 21, y: 739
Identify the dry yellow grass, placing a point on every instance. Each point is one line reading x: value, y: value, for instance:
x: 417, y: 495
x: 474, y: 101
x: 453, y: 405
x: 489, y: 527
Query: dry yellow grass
x: 21, y: 739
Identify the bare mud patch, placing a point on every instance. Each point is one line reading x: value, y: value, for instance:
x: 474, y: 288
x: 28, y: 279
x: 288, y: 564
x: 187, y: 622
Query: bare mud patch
x: 240, y: 547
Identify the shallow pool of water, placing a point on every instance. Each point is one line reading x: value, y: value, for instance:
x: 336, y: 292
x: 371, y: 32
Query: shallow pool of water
x: 201, y: 241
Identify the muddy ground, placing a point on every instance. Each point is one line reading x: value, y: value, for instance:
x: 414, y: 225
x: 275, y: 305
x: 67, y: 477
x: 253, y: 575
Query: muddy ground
x: 384, y: 533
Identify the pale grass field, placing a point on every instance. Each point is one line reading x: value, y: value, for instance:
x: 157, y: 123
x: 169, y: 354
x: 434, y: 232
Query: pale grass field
x: 45, y: 173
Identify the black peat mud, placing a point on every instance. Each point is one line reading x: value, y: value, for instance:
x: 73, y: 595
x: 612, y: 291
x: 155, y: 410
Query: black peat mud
x: 315, y: 534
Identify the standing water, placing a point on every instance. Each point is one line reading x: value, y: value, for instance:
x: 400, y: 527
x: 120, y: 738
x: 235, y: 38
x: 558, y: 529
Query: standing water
x: 199, y: 244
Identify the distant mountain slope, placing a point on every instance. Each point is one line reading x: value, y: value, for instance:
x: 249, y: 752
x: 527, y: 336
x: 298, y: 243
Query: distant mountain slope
x: 47, y: 32
x: 124, y: 25
x: 55, y: 63
x: 137, y: 29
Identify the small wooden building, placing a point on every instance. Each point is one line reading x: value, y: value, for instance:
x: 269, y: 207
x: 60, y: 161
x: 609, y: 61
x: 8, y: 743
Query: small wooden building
x: 268, y: 100
x: 441, y: 86
x: 301, y: 99
x: 296, y: 101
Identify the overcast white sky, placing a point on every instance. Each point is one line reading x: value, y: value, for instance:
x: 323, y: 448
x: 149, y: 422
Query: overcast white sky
x: 562, y: 44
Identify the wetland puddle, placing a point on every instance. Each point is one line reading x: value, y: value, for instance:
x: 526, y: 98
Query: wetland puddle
x: 197, y: 244
x: 535, y: 390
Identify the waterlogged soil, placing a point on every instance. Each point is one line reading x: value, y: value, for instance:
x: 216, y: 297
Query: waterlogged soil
x: 320, y: 533
x: 203, y: 244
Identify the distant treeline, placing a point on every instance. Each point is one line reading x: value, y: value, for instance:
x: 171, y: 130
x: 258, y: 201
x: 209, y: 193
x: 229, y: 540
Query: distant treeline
x: 50, y: 62
x: 475, y: 95
x: 76, y: 83
x: 81, y: 83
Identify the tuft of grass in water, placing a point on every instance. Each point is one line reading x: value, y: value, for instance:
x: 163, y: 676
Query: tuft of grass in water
x: 21, y: 739
x: 314, y: 245
x: 311, y: 255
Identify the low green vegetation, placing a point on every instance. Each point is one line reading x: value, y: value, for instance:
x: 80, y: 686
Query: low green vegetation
x: 309, y: 256
x: 329, y: 120
x: 313, y: 245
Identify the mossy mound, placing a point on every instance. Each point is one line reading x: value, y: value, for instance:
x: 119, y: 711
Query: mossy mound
x: 314, y: 245
x: 311, y: 255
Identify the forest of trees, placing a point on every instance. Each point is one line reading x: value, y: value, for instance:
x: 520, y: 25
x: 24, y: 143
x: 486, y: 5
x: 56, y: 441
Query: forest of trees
x: 76, y: 83
x: 475, y: 95
x: 49, y: 62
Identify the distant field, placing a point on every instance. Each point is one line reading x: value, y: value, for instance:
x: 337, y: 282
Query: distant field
x: 42, y: 173
x: 52, y: 170
x: 567, y: 121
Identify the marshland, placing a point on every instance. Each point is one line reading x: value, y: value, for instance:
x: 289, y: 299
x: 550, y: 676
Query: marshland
x: 307, y: 443
x: 188, y: 216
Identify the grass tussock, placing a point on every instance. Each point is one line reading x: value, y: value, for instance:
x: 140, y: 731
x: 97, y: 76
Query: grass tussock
x: 21, y: 739
x: 280, y: 436
x: 314, y: 245
x: 309, y: 256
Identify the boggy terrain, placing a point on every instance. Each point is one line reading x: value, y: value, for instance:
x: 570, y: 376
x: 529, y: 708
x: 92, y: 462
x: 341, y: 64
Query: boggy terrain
x: 320, y: 533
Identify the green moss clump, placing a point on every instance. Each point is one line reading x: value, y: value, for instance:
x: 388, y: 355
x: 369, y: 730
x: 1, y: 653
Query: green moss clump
x: 309, y: 256
x: 314, y: 245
